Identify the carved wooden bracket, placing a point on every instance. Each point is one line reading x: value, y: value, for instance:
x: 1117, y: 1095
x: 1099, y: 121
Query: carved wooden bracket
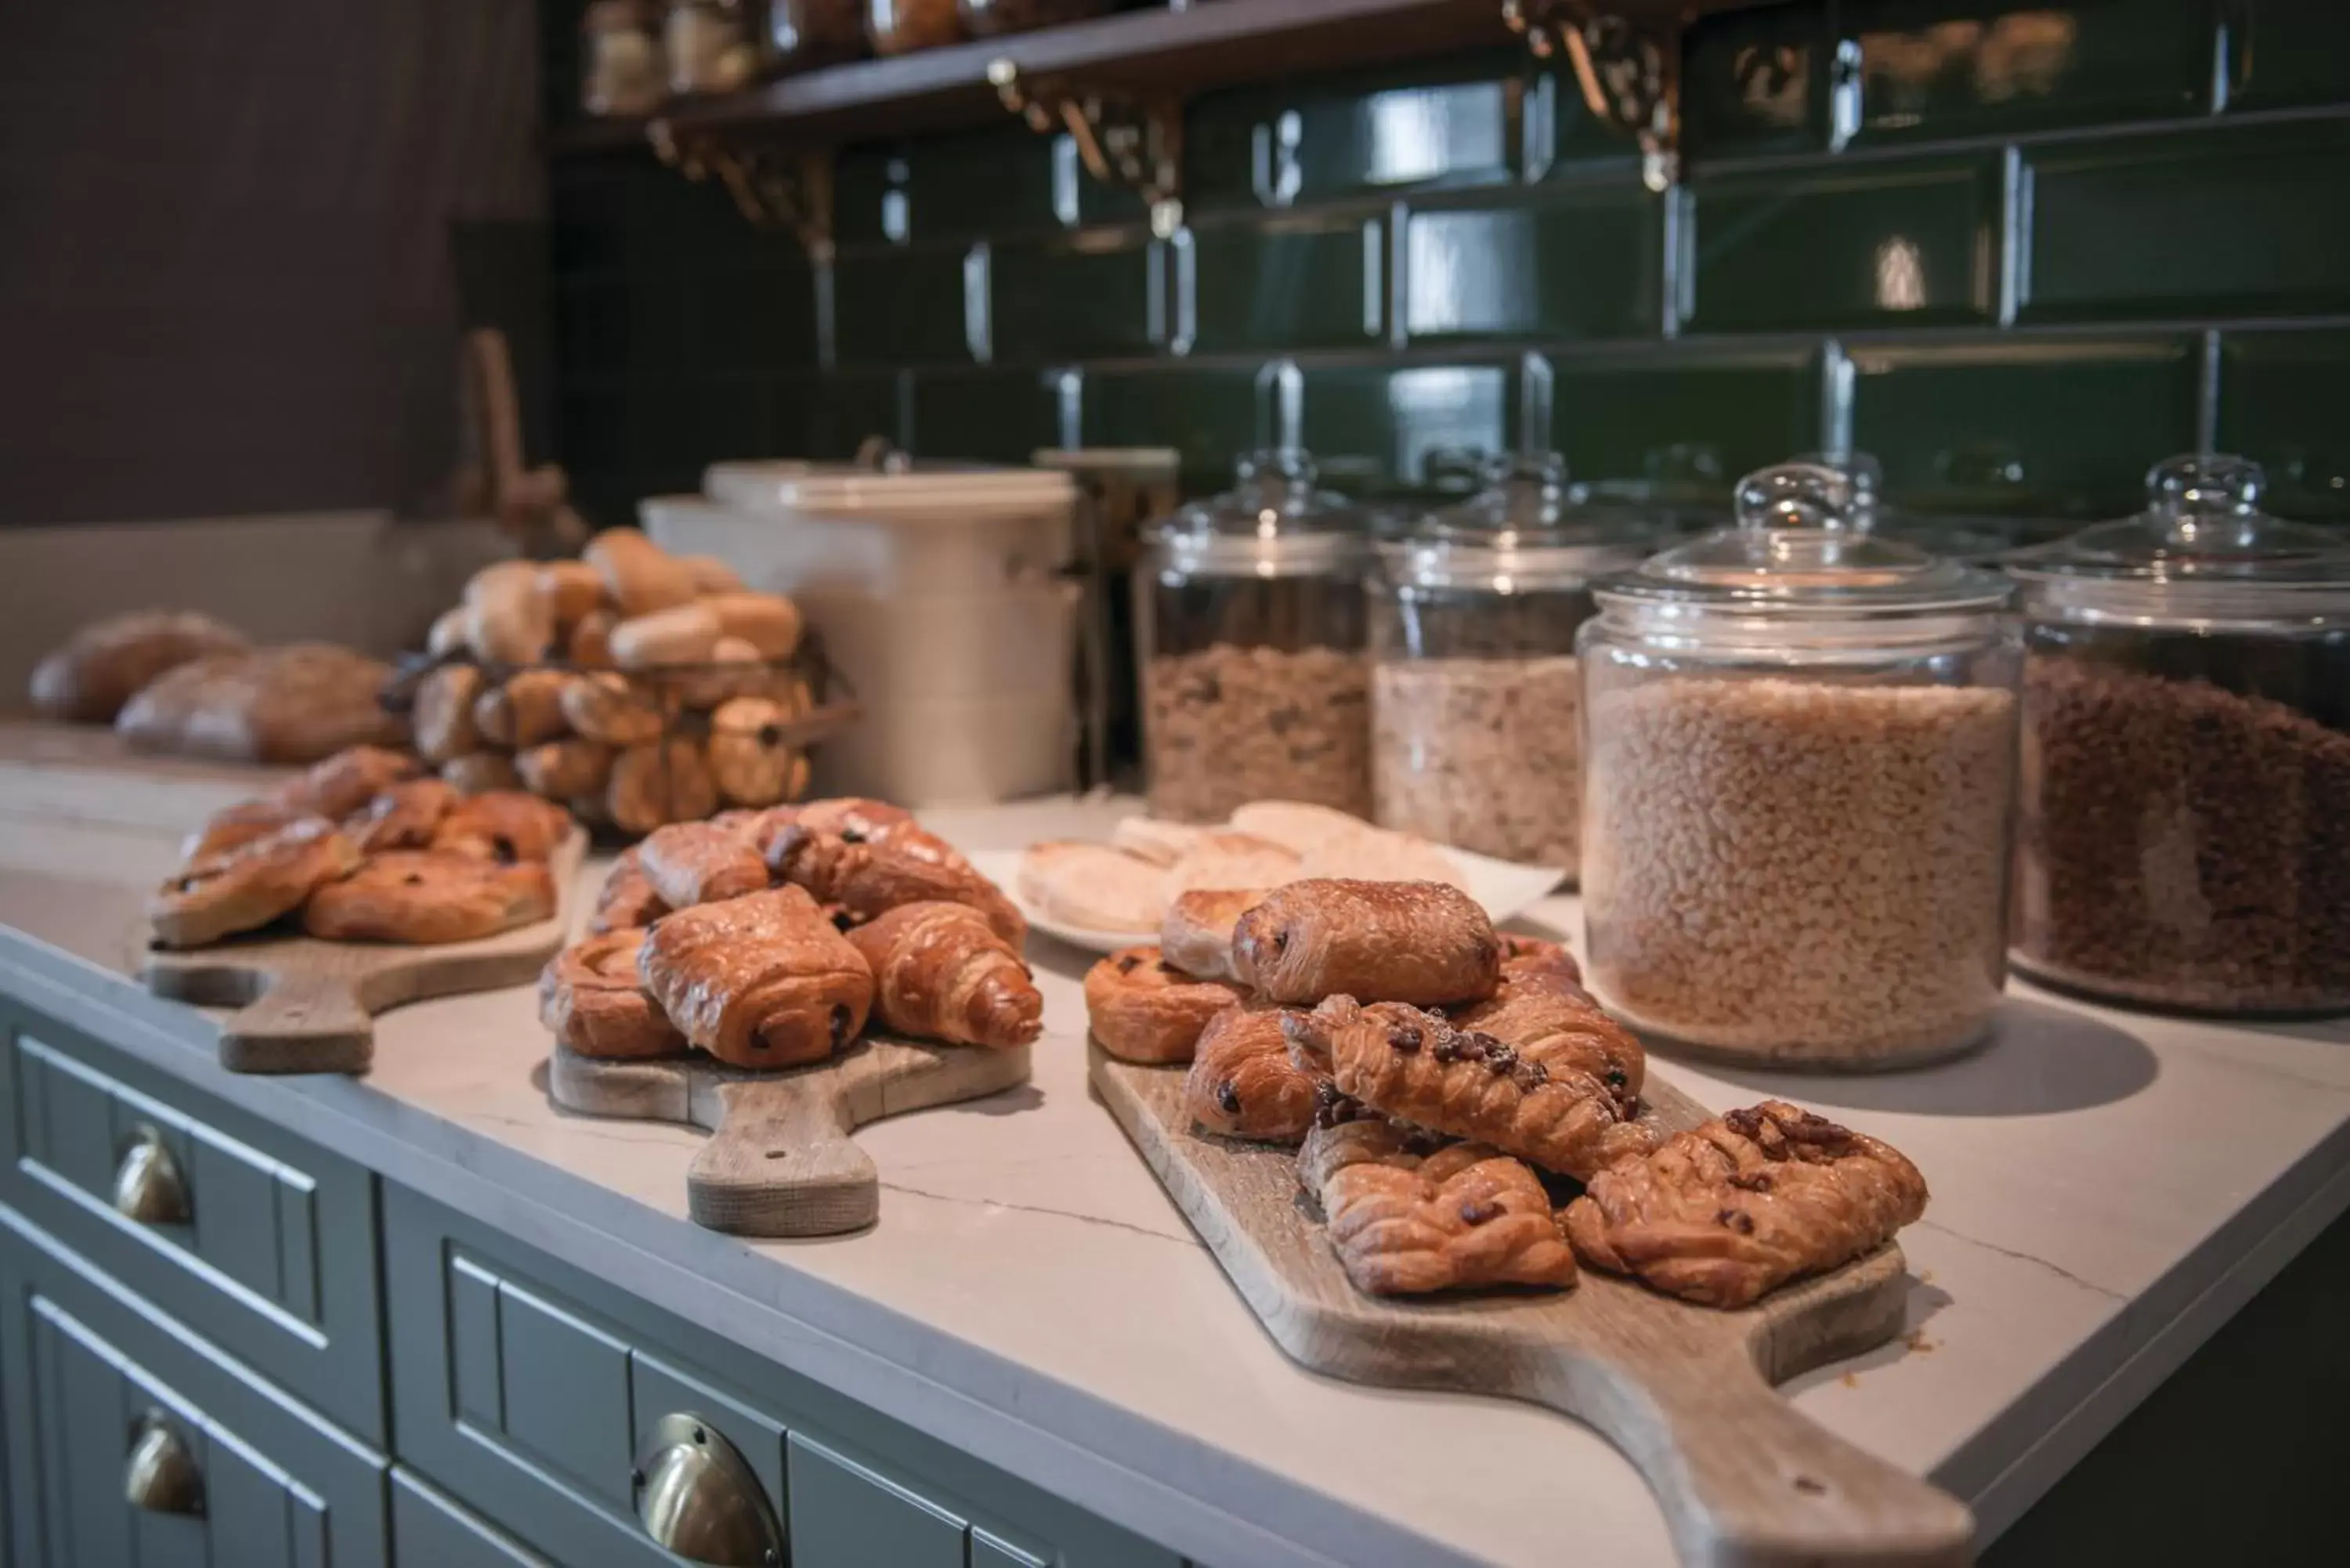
x: 1132, y: 141
x: 772, y: 187
x: 1629, y: 71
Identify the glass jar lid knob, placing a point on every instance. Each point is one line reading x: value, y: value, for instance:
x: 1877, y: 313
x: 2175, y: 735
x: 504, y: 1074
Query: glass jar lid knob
x: 2205, y: 483
x: 1796, y: 495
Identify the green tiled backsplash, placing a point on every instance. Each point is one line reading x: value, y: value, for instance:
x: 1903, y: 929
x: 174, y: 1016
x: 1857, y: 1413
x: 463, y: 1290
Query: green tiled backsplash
x: 2019, y: 252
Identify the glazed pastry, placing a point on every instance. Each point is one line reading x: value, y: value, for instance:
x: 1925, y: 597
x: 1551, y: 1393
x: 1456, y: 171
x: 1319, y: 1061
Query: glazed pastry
x: 246, y: 888
x: 1409, y: 1215
x: 639, y: 577
x: 573, y: 591
x: 589, y: 644
x: 768, y: 622
x: 478, y: 773
x: 1142, y: 1011
x: 683, y: 635
x: 507, y: 622
x: 762, y: 980
x: 1550, y: 1021
x: 1414, y: 1066
x: 590, y: 999
x: 627, y: 898
x: 444, y: 714
x: 1196, y: 937
x: 941, y: 973
x: 1093, y: 886
x: 1745, y: 1203
x: 563, y: 770
x: 606, y: 707
x: 240, y: 824
x: 425, y: 897
x: 346, y: 782
x: 863, y: 821
x: 868, y: 879
x: 1243, y: 1082
x: 404, y: 817
x: 668, y: 782
x: 505, y: 825
x: 104, y: 664
x: 1420, y: 942
x: 749, y: 757
x: 711, y: 575
x: 691, y: 862
x: 525, y: 710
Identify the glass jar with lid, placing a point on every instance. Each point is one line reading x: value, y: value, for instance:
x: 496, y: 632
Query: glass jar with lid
x: 1799, y: 757
x: 2185, y: 832
x: 1980, y: 536
x: 621, y: 68
x: 1249, y: 637
x: 805, y: 34
x: 1476, y: 698
x: 714, y: 45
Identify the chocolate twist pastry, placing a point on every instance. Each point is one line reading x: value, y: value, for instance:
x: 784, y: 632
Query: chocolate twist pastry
x: 1409, y: 1215
x: 1425, y: 944
x: 763, y: 981
x: 1546, y: 1107
x: 1754, y: 1199
x: 691, y: 862
x: 869, y: 879
x: 590, y: 999
x: 941, y: 972
x: 1242, y: 1083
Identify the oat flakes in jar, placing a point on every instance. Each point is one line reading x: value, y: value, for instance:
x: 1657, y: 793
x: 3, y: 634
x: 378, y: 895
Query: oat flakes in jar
x: 1800, y: 748
x: 2184, y: 840
x: 1249, y: 630
x: 1476, y: 699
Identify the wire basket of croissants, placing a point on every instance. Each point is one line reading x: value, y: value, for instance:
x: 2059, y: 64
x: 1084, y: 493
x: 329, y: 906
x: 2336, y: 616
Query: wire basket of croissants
x: 636, y: 687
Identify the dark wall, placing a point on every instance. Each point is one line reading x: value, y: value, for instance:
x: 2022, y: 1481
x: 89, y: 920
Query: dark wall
x: 230, y: 239
x: 2059, y: 242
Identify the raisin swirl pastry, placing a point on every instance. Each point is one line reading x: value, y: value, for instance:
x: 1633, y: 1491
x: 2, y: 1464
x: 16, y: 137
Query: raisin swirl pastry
x: 1242, y: 1083
x: 240, y: 824
x: 590, y: 999
x: 1755, y: 1197
x: 404, y: 817
x: 1411, y: 1215
x: 1425, y: 944
x: 1140, y: 1010
x: 347, y: 781
x: 250, y: 885
x: 763, y: 981
x: 424, y: 897
x: 1412, y: 1066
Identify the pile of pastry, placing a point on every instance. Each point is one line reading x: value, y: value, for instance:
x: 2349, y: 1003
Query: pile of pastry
x: 769, y: 938
x: 364, y: 846
x: 637, y: 687
x: 1127, y: 883
x: 1440, y: 1080
x: 177, y: 680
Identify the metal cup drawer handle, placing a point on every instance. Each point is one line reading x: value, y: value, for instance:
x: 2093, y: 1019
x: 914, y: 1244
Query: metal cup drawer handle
x: 148, y: 1184
x: 161, y: 1477
x: 695, y: 1497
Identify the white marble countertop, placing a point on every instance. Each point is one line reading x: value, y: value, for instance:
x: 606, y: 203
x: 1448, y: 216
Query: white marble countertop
x: 2108, y: 1189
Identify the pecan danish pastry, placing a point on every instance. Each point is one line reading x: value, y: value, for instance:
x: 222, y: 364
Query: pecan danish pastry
x: 691, y: 862
x: 1420, y: 942
x: 590, y: 999
x: 1141, y: 1009
x: 1409, y: 1215
x: 868, y: 879
x: 763, y: 981
x: 875, y: 822
x: 941, y: 971
x: 1196, y: 934
x: 1243, y: 1082
x: 1561, y: 1029
x: 425, y: 897
x: 1546, y: 1109
x: 244, y: 888
x: 1753, y: 1198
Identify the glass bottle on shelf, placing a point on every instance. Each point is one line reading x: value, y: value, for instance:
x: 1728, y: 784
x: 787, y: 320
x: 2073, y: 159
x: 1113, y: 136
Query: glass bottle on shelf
x: 713, y: 45
x: 620, y: 60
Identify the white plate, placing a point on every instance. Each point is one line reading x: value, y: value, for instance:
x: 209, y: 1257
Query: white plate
x: 1503, y: 887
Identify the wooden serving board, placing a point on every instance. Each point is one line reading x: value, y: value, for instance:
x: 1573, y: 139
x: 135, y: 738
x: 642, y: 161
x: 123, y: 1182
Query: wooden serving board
x: 304, y: 1005
x: 779, y: 1161
x: 1685, y: 1392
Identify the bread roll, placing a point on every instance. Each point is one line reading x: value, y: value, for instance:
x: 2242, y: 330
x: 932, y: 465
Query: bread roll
x: 684, y: 635
x: 566, y: 770
x: 638, y: 575
x: 664, y: 783
x: 478, y: 773
x: 608, y: 707
x: 711, y: 575
x: 444, y: 714
x: 448, y: 634
x: 768, y: 622
x: 590, y: 643
x: 572, y: 589
x: 525, y: 710
x: 507, y: 620
x: 104, y: 664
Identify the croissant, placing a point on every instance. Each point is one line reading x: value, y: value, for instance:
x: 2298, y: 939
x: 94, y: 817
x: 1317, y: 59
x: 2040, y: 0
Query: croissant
x: 1757, y: 1196
x: 870, y: 879
x: 1414, y: 1066
x: 941, y: 972
x: 762, y: 980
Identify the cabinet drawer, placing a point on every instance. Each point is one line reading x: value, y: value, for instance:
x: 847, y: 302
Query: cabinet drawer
x: 103, y: 1399
x: 433, y: 1530
x: 528, y: 1390
x: 262, y: 1243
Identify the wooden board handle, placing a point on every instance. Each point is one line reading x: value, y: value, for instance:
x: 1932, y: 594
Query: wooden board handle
x: 1747, y: 1480
x: 779, y: 1162
x: 306, y: 1022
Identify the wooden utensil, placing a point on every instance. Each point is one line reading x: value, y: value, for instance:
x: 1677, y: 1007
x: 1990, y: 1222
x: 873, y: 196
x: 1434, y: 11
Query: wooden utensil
x: 779, y: 1161
x: 1685, y: 1392
x: 304, y: 1005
